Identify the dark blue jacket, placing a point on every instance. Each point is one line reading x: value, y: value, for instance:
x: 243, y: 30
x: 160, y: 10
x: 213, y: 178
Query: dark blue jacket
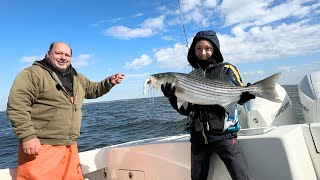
x: 217, y: 70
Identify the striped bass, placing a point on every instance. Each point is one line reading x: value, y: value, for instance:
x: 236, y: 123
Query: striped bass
x: 200, y: 90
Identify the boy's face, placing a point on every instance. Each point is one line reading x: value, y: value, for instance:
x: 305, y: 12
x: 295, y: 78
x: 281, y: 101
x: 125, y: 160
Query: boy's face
x: 204, y: 49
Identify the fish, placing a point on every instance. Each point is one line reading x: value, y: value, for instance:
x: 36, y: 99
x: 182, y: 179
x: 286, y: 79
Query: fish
x: 195, y: 88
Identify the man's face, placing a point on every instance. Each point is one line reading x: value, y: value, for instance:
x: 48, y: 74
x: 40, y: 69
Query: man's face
x: 60, y: 56
x: 204, y: 49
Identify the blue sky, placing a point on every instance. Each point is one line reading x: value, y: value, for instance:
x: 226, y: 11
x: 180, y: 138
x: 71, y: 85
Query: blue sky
x: 142, y: 37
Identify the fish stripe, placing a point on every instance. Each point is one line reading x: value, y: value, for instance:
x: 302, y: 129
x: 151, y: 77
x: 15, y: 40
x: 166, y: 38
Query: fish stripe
x: 191, y: 84
x: 200, y: 90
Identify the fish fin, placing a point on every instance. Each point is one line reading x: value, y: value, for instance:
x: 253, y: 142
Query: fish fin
x: 182, y: 103
x: 267, y: 86
x: 185, y: 105
x: 198, y: 73
x: 179, y: 104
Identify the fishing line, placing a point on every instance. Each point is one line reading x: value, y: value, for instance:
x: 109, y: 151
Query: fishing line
x: 150, y: 120
x: 153, y: 93
x: 184, y: 29
x: 181, y: 19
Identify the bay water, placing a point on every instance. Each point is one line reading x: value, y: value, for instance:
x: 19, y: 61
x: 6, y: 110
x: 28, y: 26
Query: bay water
x: 113, y: 122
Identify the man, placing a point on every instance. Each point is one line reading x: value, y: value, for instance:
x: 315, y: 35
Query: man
x: 44, y: 107
x: 213, y: 129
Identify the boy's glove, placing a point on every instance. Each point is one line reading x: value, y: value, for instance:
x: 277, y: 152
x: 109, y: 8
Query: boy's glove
x: 246, y: 96
x: 168, y: 90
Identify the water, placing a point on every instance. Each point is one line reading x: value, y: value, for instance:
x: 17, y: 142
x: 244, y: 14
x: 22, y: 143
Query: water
x: 108, y: 123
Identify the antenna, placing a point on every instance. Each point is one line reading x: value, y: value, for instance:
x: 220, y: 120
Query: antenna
x: 184, y: 30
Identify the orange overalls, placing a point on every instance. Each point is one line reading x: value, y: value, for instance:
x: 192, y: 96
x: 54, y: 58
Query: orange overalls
x: 52, y: 163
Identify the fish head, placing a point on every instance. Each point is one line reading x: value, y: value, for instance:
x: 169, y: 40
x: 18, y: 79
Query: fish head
x: 156, y: 80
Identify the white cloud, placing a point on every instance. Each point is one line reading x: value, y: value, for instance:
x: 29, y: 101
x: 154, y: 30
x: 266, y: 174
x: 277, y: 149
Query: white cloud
x: 210, y: 3
x: 162, y: 8
x: 267, y: 42
x: 293, y: 74
x: 137, y: 15
x: 81, y: 60
x: 145, y: 29
x: 115, y: 20
x: 138, y: 75
x: 198, y: 11
x: 188, y: 5
x: 311, y: 67
x: 287, y: 68
x: 173, y: 57
x: 252, y: 73
x: 154, y: 23
x: 122, y: 32
x: 243, y: 12
x: 252, y: 76
x: 290, y: 74
x: 30, y: 59
x: 101, y: 22
x: 256, y: 32
x: 143, y: 61
x: 260, y: 12
x: 168, y: 38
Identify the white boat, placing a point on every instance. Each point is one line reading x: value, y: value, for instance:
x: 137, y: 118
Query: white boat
x: 274, y: 144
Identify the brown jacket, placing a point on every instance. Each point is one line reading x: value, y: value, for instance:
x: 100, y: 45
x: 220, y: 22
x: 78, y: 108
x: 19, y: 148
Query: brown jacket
x: 39, y: 107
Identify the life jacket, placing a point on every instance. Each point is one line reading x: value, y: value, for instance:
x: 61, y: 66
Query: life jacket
x: 215, y: 118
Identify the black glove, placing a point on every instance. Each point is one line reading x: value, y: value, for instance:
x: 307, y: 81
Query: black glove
x: 168, y: 90
x: 246, y: 96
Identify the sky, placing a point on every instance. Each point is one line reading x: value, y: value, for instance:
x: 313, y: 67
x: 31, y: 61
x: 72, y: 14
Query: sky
x: 142, y: 37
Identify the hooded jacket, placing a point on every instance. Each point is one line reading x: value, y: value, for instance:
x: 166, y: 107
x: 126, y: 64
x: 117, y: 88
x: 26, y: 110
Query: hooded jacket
x: 210, y: 36
x: 229, y: 73
x: 215, y: 69
x: 40, y: 106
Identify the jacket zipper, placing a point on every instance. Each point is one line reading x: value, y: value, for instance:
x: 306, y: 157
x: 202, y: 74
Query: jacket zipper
x: 56, y: 78
x: 73, y: 104
x: 202, y: 132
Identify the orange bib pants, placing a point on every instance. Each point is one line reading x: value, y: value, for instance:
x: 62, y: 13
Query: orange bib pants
x: 52, y: 163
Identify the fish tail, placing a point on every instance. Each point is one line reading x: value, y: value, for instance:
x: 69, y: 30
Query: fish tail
x: 267, y: 88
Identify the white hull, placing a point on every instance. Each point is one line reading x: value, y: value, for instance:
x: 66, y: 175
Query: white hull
x: 279, y: 153
x: 274, y: 145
